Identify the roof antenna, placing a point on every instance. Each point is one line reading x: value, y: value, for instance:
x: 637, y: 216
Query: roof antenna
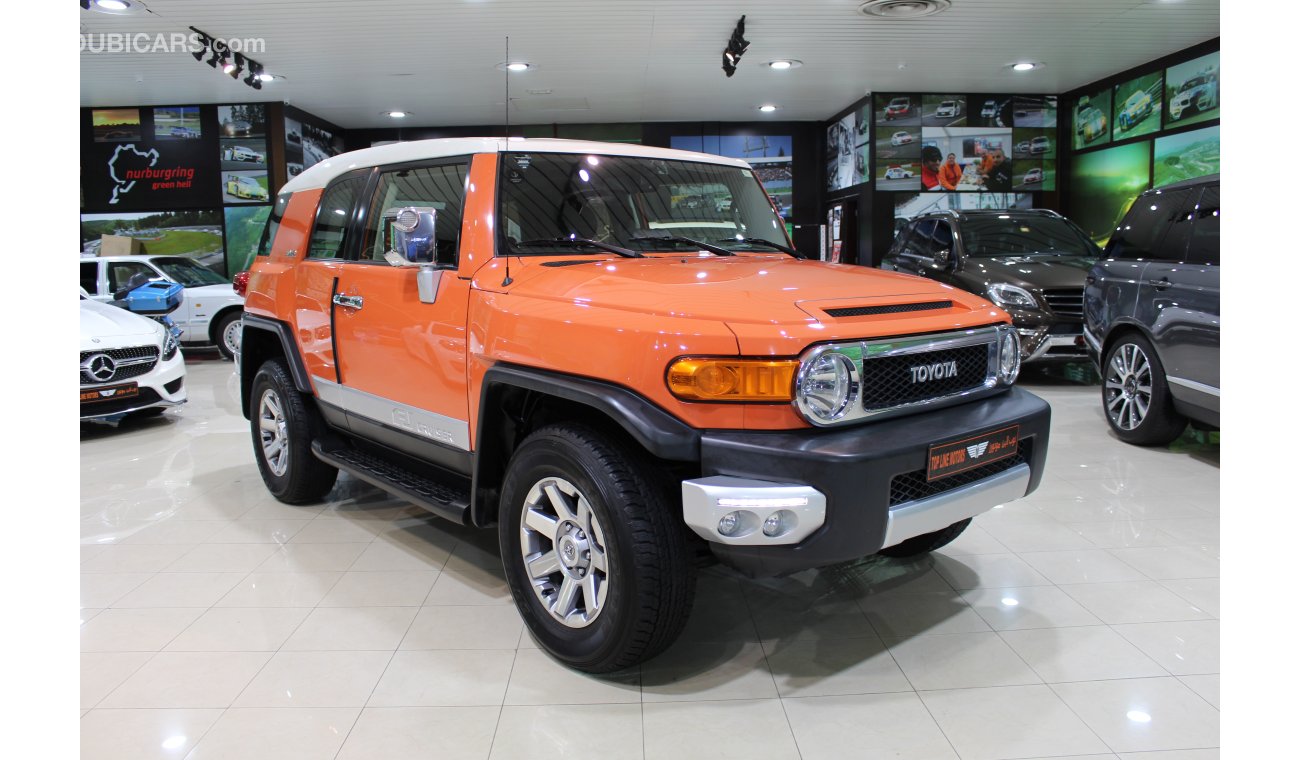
x: 506, y: 70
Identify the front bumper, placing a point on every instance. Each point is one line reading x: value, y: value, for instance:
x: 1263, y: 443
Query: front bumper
x: 854, y: 470
x: 163, y: 386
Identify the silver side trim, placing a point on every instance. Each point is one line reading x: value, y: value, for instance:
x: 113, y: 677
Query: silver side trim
x: 706, y: 500
x: 436, y: 427
x: 916, y: 518
x: 1202, y: 387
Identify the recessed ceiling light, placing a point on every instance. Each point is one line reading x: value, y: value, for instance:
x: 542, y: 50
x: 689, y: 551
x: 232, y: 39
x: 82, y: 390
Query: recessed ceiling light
x: 267, y: 77
x: 767, y: 108
x: 903, y: 9
x: 117, y: 7
x: 784, y: 64
x: 515, y: 66
x: 1026, y: 66
x: 396, y: 114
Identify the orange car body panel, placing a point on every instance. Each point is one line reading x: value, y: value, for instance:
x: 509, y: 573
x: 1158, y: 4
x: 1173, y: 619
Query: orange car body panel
x: 614, y: 319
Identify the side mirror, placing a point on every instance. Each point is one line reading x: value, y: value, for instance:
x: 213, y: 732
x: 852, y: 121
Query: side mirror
x: 943, y: 258
x: 414, y: 242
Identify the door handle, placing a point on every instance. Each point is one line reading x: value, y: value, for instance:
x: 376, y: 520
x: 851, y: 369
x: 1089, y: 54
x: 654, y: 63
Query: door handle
x: 349, y: 302
x: 1161, y: 283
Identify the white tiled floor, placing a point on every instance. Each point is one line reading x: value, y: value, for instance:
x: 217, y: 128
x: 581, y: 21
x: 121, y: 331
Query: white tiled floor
x: 218, y: 623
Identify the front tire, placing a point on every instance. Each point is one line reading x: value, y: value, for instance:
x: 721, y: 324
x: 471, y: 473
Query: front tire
x: 284, y: 424
x: 926, y: 542
x: 597, y: 563
x: 1135, y: 394
x: 227, y: 332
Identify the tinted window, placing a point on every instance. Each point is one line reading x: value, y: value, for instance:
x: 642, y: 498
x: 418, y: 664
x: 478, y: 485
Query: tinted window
x: 1204, y: 245
x: 942, y: 237
x: 1143, y: 227
x: 90, y: 276
x: 121, y: 271
x: 441, y: 188
x: 332, y: 219
x: 273, y: 224
x: 188, y: 272
x: 1178, y: 231
x: 919, y: 241
x: 1012, y: 234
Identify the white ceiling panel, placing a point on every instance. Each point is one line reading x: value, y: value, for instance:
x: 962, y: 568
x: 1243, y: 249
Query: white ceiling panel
x: 627, y: 60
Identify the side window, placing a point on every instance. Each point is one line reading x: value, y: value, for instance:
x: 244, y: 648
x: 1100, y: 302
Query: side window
x: 273, y: 224
x: 1204, y: 245
x: 90, y: 276
x: 336, y: 206
x: 441, y: 188
x: 1179, y: 230
x: 121, y: 271
x: 920, y: 242
x: 942, y: 237
x: 1143, y: 227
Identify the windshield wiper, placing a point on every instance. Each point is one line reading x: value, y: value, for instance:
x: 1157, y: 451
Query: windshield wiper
x: 761, y: 241
x: 684, y: 241
x: 570, y: 242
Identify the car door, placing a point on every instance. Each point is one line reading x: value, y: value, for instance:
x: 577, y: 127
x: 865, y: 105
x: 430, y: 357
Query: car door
x: 401, y: 359
x: 1184, y: 293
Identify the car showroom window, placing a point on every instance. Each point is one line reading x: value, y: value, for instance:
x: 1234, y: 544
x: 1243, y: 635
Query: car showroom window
x: 1140, y: 233
x: 1204, y: 245
x: 90, y: 276
x: 121, y: 271
x: 273, y: 224
x: 332, y: 219
x: 441, y: 188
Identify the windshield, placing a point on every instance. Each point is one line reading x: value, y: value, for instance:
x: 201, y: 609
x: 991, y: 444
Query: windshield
x: 188, y: 273
x: 630, y: 202
x: 1013, y: 235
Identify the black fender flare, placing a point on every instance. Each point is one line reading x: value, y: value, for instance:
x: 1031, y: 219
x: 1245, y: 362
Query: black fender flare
x: 249, y: 361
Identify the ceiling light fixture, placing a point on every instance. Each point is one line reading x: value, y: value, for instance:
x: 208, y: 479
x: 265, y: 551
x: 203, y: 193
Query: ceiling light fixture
x: 515, y: 66
x: 396, y: 114
x: 767, y: 108
x: 114, y: 7
x: 903, y: 9
x: 231, y: 63
x: 736, y: 47
x: 1026, y: 66
x: 784, y: 64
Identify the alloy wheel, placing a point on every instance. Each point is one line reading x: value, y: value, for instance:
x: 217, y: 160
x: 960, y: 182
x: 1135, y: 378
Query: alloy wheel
x: 231, y: 335
x: 273, y: 432
x: 1128, y: 387
x: 563, y: 548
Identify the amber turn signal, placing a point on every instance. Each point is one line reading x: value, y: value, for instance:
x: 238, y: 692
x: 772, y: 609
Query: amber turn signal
x: 732, y: 379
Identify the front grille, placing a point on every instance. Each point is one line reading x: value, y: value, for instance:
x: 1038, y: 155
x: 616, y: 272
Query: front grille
x: 1065, y: 303
x: 131, y: 362
x: 912, y: 486
x: 887, y: 380
x: 898, y: 308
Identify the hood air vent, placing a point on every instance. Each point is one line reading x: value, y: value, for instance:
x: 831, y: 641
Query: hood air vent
x: 896, y: 308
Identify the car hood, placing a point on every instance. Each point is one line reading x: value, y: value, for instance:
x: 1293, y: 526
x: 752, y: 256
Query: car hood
x: 1031, y: 271
x: 753, y: 290
x: 104, y: 326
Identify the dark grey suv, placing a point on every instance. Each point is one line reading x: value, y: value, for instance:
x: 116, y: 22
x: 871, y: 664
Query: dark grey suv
x: 1031, y: 262
x: 1151, y: 310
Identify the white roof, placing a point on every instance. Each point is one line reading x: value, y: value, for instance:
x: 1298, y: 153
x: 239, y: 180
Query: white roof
x: 320, y: 174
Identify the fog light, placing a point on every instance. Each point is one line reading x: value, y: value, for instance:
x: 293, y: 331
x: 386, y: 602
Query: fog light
x: 729, y: 523
x: 779, y: 523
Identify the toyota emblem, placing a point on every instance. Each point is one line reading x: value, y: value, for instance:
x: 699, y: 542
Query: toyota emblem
x: 101, y: 367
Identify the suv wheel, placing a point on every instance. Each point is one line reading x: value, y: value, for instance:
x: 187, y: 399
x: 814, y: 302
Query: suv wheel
x: 227, y: 332
x: 1135, y: 394
x: 283, y: 427
x: 597, y: 564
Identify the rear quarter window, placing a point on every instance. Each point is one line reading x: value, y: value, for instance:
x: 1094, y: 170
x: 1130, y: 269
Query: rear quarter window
x: 1140, y: 234
x: 273, y: 224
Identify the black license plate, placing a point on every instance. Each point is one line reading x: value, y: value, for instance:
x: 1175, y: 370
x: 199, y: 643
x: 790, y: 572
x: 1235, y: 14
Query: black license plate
x: 111, y: 393
x: 968, y: 453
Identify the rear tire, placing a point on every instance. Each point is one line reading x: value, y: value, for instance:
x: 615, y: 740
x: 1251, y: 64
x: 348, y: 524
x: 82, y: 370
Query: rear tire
x: 926, y: 542
x: 283, y: 425
x: 598, y: 564
x: 226, y: 333
x: 1135, y: 395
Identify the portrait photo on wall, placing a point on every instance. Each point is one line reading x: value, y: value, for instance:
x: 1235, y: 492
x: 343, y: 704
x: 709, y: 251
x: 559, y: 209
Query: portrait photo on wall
x: 115, y: 124
x: 1091, y: 120
x: 1035, y: 110
x: 1138, y: 105
x: 1192, y: 91
x: 966, y: 159
x: 1187, y: 155
x: 943, y: 110
x: 895, y: 109
x: 177, y: 123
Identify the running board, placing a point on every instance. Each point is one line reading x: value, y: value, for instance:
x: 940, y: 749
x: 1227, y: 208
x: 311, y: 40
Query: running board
x: 444, y: 501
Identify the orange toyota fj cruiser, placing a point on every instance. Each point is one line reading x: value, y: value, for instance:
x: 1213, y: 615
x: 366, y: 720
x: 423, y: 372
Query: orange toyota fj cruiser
x: 611, y: 353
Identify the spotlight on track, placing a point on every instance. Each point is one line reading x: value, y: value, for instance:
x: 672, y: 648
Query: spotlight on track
x: 736, y: 47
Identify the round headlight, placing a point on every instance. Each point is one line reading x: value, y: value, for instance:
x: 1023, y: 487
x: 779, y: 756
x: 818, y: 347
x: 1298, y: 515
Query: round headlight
x: 1008, y: 356
x: 826, y: 387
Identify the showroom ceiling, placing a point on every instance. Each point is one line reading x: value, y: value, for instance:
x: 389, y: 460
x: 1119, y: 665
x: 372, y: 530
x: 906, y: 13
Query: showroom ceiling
x: 350, y: 61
